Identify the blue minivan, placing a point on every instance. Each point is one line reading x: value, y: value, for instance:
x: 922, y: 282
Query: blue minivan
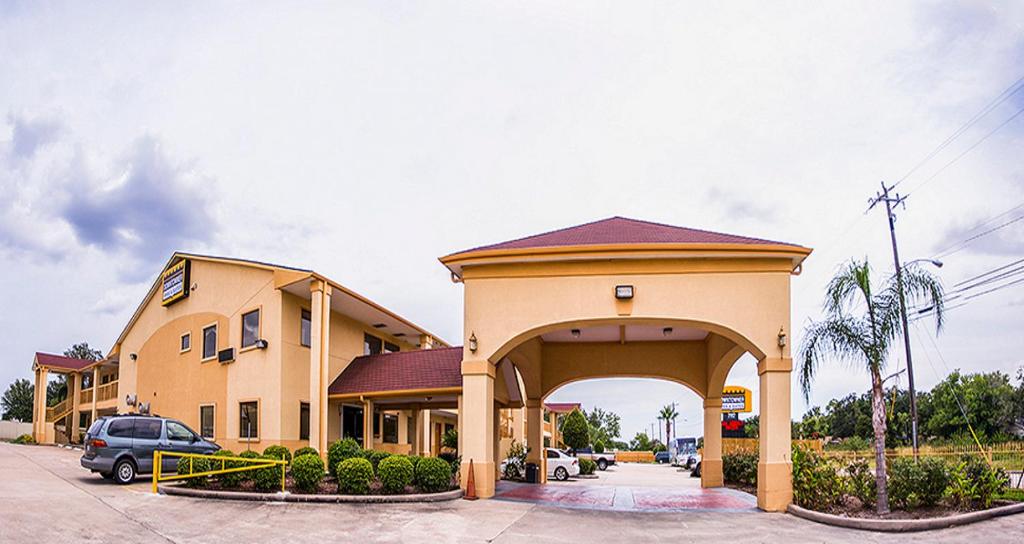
x: 120, y: 447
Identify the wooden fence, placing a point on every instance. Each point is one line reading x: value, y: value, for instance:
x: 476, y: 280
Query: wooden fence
x: 634, y: 457
x: 750, y: 445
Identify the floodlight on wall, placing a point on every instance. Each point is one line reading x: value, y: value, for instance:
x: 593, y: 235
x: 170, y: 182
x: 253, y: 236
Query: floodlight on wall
x: 667, y: 331
x: 623, y: 292
x: 133, y: 356
x: 472, y: 342
x: 575, y: 333
x: 262, y: 344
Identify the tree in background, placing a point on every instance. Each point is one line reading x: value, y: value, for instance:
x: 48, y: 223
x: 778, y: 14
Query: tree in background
x: 17, y: 401
x: 82, y: 350
x: 865, y: 340
x: 668, y: 413
x: 57, y: 389
x: 604, y: 426
x: 576, y: 430
x: 988, y: 400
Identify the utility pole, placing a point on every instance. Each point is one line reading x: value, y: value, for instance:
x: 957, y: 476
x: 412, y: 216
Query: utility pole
x: 890, y: 202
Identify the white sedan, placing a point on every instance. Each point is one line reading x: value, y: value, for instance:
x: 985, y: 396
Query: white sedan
x: 561, y: 465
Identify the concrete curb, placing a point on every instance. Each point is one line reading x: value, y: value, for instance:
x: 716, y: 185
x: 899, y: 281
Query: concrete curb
x: 177, y: 489
x: 905, y: 525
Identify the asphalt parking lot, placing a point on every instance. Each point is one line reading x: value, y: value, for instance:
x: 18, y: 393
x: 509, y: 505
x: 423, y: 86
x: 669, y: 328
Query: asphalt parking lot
x: 46, y: 497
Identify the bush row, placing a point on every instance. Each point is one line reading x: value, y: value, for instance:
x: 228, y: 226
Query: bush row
x: 822, y: 483
x: 355, y: 470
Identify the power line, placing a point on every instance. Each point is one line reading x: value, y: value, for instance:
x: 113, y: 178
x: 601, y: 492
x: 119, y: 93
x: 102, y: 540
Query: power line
x: 962, y: 245
x: 1003, y: 97
x: 994, y: 270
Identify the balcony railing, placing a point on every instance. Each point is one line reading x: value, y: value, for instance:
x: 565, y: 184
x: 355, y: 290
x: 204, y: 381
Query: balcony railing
x: 61, y: 409
x: 86, y: 396
x: 106, y: 391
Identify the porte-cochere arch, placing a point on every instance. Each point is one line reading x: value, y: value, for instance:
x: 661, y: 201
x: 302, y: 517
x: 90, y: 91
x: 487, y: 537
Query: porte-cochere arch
x: 551, y: 306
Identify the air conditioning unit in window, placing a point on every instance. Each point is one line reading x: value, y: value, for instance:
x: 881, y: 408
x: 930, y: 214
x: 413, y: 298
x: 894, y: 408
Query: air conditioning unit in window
x: 226, y: 356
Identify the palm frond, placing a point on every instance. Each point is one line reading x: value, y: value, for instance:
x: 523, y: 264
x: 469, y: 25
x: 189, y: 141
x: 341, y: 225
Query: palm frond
x: 842, y: 337
x: 922, y: 287
x: 853, y: 277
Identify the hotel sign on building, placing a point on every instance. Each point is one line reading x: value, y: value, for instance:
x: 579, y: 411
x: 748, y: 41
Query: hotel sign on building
x: 175, y: 282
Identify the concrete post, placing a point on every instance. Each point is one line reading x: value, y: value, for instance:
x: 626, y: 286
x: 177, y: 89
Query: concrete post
x: 39, y: 414
x: 535, y: 436
x: 477, y: 430
x: 711, y: 457
x: 774, y: 467
x: 319, y: 361
x: 75, y: 393
x: 368, y: 417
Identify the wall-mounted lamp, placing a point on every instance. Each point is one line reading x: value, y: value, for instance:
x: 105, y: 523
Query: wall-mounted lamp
x: 623, y: 292
x: 133, y: 356
x: 472, y: 342
x: 575, y: 333
x: 782, y: 338
x: 667, y: 331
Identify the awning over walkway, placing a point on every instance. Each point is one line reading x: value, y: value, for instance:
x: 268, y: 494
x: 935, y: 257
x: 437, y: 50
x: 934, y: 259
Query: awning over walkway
x: 410, y: 376
x: 60, y: 362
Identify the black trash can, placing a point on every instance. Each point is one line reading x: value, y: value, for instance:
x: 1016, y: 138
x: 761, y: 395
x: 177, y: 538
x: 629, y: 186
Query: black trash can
x: 532, y: 473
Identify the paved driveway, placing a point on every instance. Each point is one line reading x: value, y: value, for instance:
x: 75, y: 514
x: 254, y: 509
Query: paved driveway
x: 45, y: 497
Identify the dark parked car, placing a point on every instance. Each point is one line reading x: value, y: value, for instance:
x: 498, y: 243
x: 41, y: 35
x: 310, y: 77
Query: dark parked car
x: 120, y: 447
x: 662, y: 457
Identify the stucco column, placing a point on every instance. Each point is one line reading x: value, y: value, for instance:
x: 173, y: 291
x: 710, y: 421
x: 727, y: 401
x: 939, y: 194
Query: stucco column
x: 477, y: 434
x: 519, y: 424
x: 711, y: 457
x: 75, y: 392
x: 535, y: 435
x: 497, y: 442
x: 319, y: 362
x: 426, y: 440
x: 774, y: 467
x: 38, y: 410
x: 92, y: 415
x: 368, y: 417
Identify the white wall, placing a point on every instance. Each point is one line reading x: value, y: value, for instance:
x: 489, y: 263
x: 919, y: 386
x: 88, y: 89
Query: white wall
x: 14, y: 429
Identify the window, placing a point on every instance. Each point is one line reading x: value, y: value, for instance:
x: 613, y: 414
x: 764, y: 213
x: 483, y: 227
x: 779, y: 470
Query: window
x: 391, y: 348
x: 210, y: 342
x: 121, y: 427
x: 376, y: 424
x: 250, y: 328
x: 306, y: 328
x: 552, y: 454
x: 186, y: 342
x: 206, y: 421
x: 390, y: 428
x: 371, y: 344
x: 304, y: 421
x: 249, y: 420
x: 177, y: 431
x: 148, y: 428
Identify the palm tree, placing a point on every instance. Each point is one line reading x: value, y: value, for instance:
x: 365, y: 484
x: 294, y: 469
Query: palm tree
x: 864, y: 340
x: 668, y: 413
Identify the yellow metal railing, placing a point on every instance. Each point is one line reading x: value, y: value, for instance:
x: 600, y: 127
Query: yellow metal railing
x: 254, y: 464
x: 106, y: 391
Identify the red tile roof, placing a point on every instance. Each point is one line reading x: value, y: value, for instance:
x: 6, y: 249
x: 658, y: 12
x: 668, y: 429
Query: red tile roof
x: 561, y: 407
x: 62, y: 362
x: 622, y: 230
x: 420, y: 369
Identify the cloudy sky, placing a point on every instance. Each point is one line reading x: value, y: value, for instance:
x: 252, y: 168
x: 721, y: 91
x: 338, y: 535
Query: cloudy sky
x: 365, y: 139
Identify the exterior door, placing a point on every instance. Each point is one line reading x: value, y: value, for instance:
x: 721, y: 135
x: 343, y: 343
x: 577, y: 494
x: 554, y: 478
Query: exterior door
x: 352, y: 423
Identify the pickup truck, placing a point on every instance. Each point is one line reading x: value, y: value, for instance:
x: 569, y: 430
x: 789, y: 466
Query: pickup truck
x: 602, y: 459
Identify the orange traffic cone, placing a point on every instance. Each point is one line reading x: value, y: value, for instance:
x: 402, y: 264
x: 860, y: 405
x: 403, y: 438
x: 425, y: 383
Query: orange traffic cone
x: 470, y: 485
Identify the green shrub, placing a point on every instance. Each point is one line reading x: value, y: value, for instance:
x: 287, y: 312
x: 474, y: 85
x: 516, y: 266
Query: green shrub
x: 934, y: 480
x: 395, y: 472
x: 515, y: 465
x: 450, y: 439
x: 375, y: 457
x: 339, y: 451
x: 816, y: 482
x: 740, y: 468
x: 598, y: 446
x: 307, y: 472
x: 231, y: 479
x: 354, y: 476
x: 973, y: 482
x: 280, y: 453
x: 433, y: 475
x: 905, y: 478
x: 305, y: 450
x: 576, y: 430
x: 267, y: 479
x: 192, y: 465
x: 247, y: 475
x: 414, y: 459
x: 587, y: 466
x: 860, y: 482
x: 25, y: 439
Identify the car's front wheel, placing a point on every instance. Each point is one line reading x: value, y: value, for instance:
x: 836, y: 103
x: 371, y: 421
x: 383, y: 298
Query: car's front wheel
x: 124, y: 472
x: 561, y: 474
x: 602, y: 464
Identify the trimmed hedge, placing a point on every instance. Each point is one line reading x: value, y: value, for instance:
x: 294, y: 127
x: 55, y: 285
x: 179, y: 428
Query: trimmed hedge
x: 307, y: 472
x: 269, y: 478
x: 354, y: 476
x: 231, y: 479
x: 198, y: 464
x: 916, y: 483
x: 740, y: 468
x: 587, y: 466
x: 433, y: 475
x: 341, y: 450
x: 395, y: 473
x: 375, y: 457
x: 280, y: 453
x: 305, y: 450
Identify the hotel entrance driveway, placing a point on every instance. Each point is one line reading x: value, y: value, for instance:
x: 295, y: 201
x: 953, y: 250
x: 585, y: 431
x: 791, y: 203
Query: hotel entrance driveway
x: 631, y: 487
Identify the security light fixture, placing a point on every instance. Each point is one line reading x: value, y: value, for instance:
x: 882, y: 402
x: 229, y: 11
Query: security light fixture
x: 472, y: 342
x: 623, y: 292
x: 133, y: 356
x: 575, y: 333
x: 782, y: 338
x: 399, y: 334
x: 667, y: 331
x: 379, y: 325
